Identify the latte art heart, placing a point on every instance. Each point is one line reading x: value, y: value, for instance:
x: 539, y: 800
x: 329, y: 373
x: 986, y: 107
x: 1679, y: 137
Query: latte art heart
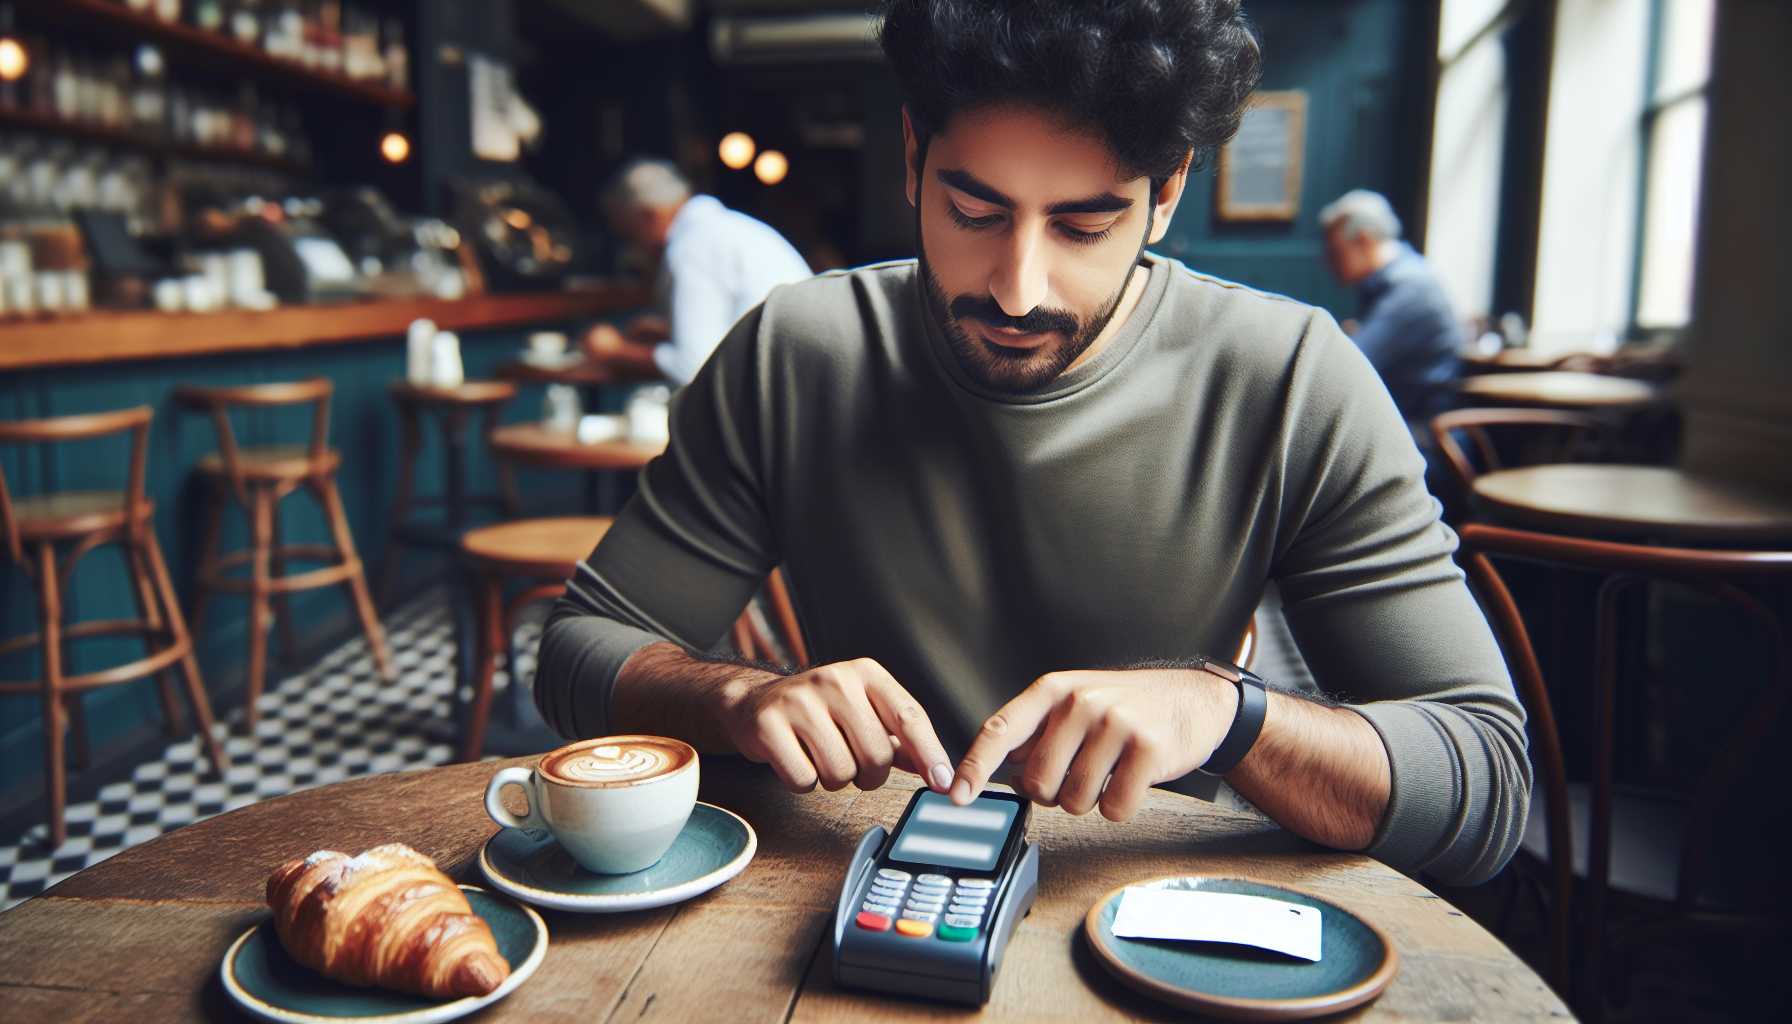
x: 615, y: 763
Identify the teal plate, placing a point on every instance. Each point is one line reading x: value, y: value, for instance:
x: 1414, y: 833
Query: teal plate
x: 714, y: 846
x: 1357, y: 960
x: 263, y: 979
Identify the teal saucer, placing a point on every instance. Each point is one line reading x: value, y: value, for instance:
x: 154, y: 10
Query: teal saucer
x: 714, y: 846
x: 1357, y: 960
x: 263, y: 979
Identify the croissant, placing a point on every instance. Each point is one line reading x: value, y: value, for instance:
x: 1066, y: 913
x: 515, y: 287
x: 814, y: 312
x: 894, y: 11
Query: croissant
x: 388, y: 919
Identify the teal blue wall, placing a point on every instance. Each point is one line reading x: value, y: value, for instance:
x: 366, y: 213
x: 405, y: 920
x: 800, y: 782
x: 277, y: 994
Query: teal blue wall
x: 363, y: 427
x: 1362, y: 64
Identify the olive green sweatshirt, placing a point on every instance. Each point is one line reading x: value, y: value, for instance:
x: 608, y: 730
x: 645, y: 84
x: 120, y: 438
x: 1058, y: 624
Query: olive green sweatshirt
x: 972, y: 541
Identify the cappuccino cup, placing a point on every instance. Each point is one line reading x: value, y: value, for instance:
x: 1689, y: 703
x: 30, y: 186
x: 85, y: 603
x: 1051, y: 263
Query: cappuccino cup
x: 615, y: 803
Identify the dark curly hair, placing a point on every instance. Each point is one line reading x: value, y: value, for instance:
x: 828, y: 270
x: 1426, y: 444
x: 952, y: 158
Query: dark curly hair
x: 1157, y: 79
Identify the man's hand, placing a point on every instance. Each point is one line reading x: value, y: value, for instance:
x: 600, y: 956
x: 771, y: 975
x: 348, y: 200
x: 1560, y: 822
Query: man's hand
x: 1073, y: 730
x: 839, y: 723
x: 603, y: 341
x: 649, y: 327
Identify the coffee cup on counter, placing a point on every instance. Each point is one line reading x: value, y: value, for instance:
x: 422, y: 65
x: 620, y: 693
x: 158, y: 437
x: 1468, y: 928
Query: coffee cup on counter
x: 547, y: 346
x: 615, y: 804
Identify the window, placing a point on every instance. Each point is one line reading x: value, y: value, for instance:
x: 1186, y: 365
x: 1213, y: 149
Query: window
x: 1468, y: 136
x: 1673, y: 134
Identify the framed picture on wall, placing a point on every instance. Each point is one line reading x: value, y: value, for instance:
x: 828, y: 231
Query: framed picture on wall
x: 1259, y: 172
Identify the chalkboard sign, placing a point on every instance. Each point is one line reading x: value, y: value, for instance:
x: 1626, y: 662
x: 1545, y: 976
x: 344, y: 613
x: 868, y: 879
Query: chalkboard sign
x: 1259, y: 174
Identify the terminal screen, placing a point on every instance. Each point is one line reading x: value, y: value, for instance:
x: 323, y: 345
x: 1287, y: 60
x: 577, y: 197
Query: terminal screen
x: 940, y: 832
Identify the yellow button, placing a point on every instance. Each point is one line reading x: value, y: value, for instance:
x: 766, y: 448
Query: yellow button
x: 914, y: 929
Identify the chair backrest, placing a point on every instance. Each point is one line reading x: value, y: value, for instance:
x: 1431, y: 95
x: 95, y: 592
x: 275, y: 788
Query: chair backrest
x: 76, y: 428
x: 1247, y: 645
x: 1715, y: 573
x: 751, y: 641
x: 218, y: 402
x: 1547, y: 435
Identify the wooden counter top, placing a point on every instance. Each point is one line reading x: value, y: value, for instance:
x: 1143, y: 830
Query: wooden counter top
x: 106, y: 336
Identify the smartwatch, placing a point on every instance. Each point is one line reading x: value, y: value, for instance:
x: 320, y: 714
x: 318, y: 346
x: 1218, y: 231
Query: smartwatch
x: 1247, y: 722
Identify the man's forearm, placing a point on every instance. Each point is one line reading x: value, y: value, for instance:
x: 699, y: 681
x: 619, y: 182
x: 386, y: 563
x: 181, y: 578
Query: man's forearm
x: 663, y: 691
x: 635, y: 358
x: 1318, y: 771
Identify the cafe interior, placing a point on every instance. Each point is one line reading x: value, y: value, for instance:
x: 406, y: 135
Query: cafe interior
x: 316, y: 389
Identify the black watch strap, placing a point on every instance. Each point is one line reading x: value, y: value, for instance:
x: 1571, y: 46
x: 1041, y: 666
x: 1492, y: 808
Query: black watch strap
x: 1247, y: 723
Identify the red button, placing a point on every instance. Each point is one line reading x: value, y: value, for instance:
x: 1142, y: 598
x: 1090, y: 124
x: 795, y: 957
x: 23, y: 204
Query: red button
x: 872, y: 922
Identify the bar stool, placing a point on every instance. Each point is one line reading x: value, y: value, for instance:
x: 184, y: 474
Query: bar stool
x: 258, y: 477
x: 85, y: 520
x: 543, y: 553
x: 453, y: 407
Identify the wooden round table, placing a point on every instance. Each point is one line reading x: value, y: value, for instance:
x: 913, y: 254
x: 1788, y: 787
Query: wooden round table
x: 1664, y: 503
x: 1560, y: 389
x: 584, y: 373
x: 140, y: 936
x: 535, y: 445
x: 1512, y: 360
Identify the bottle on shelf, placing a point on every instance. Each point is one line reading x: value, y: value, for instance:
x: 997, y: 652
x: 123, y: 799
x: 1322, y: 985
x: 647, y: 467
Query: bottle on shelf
x: 65, y: 86
x: 398, y: 57
x: 246, y: 21
x: 149, y: 95
x: 329, y: 36
x: 283, y: 35
x: 206, y: 15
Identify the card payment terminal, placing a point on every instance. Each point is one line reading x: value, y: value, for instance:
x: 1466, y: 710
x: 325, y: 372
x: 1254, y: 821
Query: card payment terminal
x: 927, y: 911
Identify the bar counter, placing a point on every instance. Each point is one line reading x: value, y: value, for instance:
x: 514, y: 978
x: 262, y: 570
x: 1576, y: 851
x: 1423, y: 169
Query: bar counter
x: 104, y: 336
x: 108, y: 360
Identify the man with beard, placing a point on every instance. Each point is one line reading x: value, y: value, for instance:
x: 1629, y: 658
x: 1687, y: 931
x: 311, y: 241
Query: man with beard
x: 1023, y: 486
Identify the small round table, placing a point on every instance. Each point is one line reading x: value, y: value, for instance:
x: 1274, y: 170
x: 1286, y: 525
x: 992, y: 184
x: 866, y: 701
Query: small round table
x: 140, y: 936
x: 532, y: 444
x: 1664, y: 503
x: 1561, y: 389
x: 542, y: 553
x: 1512, y: 360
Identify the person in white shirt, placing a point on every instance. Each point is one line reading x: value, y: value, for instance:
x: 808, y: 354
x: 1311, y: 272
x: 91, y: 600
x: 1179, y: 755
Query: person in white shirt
x: 715, y: 265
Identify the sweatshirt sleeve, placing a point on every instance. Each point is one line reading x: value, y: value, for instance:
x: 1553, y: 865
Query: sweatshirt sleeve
x: 684, y: 555
x: 1383, y: 616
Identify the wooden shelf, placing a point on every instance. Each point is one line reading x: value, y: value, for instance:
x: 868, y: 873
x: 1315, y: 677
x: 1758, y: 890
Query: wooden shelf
x: 126, y: 137
x: 202, y: 47
x: 105, y: 336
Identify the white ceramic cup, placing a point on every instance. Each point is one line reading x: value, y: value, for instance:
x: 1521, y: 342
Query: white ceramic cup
x: 547, y: 345
x: 609, y: 822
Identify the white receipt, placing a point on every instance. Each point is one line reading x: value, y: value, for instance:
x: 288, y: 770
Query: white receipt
x: 1218, y: 917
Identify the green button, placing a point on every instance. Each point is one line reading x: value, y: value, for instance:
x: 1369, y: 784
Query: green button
x: 951, y: 934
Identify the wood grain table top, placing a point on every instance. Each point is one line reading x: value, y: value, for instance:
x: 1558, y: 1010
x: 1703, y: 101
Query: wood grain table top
x: 536, y: 445
x: 1514, y: 360
x: 140, y: 936
x: 1562, y: 389
x: 1661, y: 502
x: 550, y: 547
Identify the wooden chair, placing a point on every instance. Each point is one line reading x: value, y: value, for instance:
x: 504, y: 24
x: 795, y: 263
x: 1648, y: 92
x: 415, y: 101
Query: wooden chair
x: 1247, y: 645
x: 257, y: 478
x: 453, y: 408
x: 752, y: 641
x: 1680, y: 877
x: 543, y: 554
x: 1541, y: 435
x: 82, y: 521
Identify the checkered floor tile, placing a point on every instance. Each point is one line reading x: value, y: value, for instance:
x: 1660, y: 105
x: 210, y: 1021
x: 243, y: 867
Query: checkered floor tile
x: 334, y: 720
